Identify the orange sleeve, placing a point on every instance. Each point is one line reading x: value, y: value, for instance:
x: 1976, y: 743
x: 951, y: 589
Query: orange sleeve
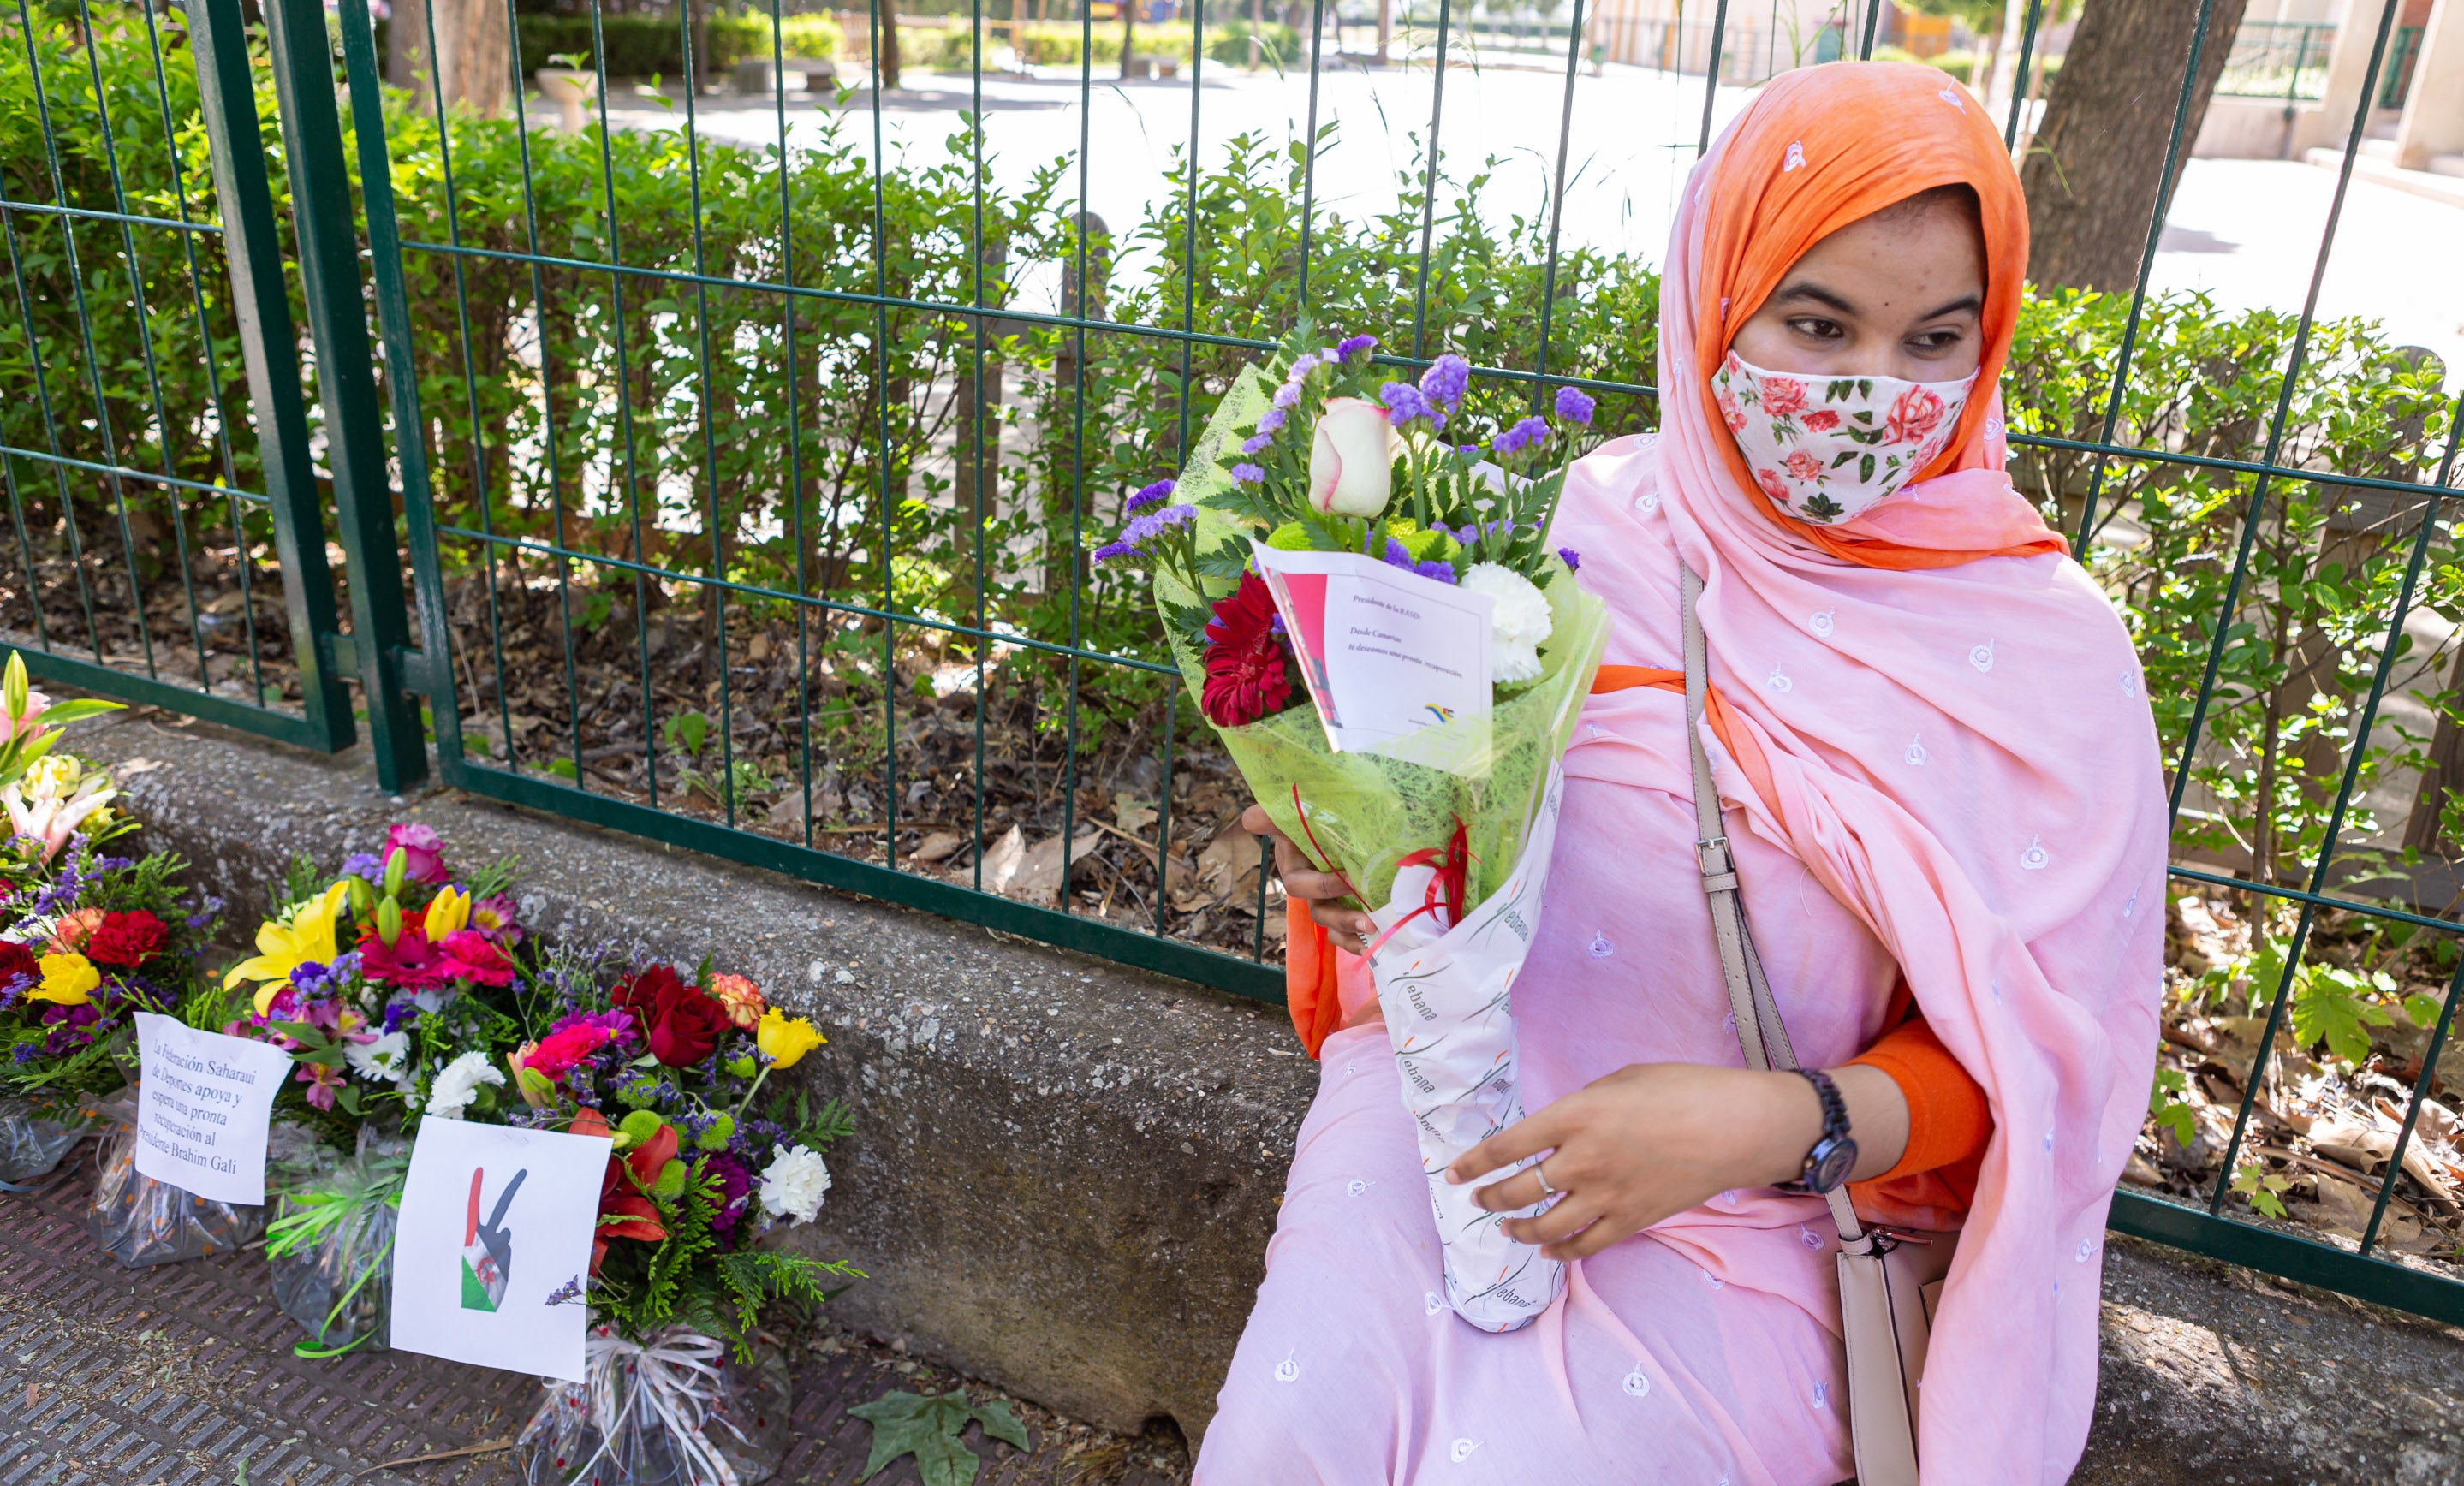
x: 1949, y: 1122
x: 1310, y: 987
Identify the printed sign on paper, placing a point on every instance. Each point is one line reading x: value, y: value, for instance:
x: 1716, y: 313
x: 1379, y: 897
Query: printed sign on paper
x: 492, y: 1252
x: 203, y: 1102
x: 1386, y: 654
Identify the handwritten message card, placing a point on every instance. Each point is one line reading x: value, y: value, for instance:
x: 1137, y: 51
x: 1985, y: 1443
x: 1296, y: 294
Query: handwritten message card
x: 1386, y: 654
x: 204, y: 1100
x: 492, y: 1248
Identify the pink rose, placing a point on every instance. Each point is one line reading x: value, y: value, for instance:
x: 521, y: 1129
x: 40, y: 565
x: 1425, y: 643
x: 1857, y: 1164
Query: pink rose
x: 1802, y: 464
x: 1352, y: 460
x: 1783, y: 396
x: 423, y: 851
x: 1821, y: 420
x: 1731, y: 413
x: 1773, y: 486
x: 1914, y: 414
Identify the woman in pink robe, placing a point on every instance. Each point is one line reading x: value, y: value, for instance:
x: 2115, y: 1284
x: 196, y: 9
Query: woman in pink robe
x: 1936, y: 767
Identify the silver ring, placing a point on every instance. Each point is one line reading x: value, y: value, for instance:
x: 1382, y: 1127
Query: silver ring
x: 1546, y: 1190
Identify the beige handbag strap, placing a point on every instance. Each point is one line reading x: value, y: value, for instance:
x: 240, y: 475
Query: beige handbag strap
x: 1760, y: 1031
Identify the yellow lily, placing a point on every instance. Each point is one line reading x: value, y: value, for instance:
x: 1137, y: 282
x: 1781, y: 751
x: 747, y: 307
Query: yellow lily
x: 449, y: 911
x: 283, y: 945
x: 67, y: 978
x: 786, y: 1041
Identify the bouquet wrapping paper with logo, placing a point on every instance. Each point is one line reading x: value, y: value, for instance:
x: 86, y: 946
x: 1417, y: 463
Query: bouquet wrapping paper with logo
x: 1471, y: 798
x: 1445, y: 995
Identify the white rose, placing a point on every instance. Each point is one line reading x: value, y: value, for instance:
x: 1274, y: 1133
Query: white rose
x: 455, y: 1086
x: 1519, y: 621
x: 1352, y: 464
x: 793, y: 1183
x: 379, y: 1060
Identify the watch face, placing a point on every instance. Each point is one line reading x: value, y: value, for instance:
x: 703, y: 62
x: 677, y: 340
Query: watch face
x: 1830, y: 1163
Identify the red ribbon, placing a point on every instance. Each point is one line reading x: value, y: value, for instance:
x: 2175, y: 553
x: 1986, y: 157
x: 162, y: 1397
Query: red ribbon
x: 1453, y: 864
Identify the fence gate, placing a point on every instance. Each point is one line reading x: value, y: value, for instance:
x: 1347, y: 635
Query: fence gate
x: 156, y: 398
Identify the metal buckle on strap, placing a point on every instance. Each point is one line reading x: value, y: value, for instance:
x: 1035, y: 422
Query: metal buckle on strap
x: 1712, y: 856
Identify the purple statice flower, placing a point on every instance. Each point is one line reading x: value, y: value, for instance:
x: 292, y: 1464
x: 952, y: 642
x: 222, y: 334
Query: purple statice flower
x: 1351, y: 345
x: 1114, y: 552
x: 205, y: 911
x: 1154, y: 494
x: 401, y: 1013
x: 1256, y: 442
x: 1397, y: 555
x: 26, y: 1052
x: 1302, y: 365
x: 1287, y: 394
x: 1446, y: 380
x: 1275, y: 625
x: 1272, y: 420
x: 1524, y: 434
x: 1573, y: 559
x: 1443, y: 572
x: 366, y: 866
x: 1574, y: 406
x: 1467, y: 450
x: 1404, y: 403
x: 1247, y: 473
x: 1153, y: 524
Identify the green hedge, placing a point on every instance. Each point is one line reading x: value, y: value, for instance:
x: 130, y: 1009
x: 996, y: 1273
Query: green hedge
x: 642, y: 46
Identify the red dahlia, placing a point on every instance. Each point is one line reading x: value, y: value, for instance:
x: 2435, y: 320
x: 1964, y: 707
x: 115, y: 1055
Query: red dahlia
x: 1245, y: 678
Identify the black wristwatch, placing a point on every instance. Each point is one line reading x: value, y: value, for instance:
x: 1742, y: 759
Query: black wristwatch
x: 1835, y: 1154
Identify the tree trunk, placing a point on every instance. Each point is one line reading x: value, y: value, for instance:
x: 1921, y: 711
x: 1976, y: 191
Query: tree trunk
x: 697, y: 76
x: 885, y: 41
x: 407, y: 64
x: 1128, y: 34
x: 2093, y: 171
x: 483, y: 56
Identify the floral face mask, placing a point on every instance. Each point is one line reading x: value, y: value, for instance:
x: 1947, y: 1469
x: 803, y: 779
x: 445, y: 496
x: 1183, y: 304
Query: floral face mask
x: 1831, y: 447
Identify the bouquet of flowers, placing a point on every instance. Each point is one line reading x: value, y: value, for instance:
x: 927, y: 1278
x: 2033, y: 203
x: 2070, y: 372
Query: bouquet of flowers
x: 374, y: 979
x: 1322, y: 471
x: 85, y: 937
x: 711, y: 1164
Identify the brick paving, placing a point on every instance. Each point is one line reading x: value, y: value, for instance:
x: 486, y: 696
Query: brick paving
x: 177, y: 1375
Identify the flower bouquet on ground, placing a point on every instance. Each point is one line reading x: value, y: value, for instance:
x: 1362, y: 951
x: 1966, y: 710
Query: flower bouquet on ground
x: 64, y: 1010
x: 1358, y: 585
x: 712, y: 1164
x: 374, y: 979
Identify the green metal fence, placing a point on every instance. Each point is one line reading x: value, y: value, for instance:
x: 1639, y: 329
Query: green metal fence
x: 2279, y: 59
x: 745, y: 473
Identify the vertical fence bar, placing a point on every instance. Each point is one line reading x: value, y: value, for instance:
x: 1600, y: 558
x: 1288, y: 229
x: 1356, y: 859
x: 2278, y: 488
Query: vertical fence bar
x: 218, y: 36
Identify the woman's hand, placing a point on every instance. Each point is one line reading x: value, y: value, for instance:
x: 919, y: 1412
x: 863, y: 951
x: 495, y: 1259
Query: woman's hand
x: 1352, y: 929
x: 1653, y: 1140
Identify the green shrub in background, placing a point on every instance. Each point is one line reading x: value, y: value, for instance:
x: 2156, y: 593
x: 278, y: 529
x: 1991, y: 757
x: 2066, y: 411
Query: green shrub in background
x: 1059, y: 43
x: 644, y: 46
x: 533, y: 428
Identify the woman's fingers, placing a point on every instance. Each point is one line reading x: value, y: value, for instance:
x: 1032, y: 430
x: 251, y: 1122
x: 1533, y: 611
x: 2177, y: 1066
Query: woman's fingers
x: 1524, y: 1137
x: 1573, y: 1213
x: 1511, y: 1195
x: 1301, y: 877
x: 1353, y: 930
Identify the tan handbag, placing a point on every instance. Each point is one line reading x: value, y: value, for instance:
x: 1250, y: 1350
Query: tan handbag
x: 1889, y: 1279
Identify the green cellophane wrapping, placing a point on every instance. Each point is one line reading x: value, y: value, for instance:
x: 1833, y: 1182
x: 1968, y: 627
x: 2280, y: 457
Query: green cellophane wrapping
x: 1365, y: 812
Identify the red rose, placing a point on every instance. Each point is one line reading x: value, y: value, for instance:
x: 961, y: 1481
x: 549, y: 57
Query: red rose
x: 16, y: 963
x: 126, y: 940
x: 681, y: 1022
x: 1783, y: 396
x: 1821, y: 420
x: 1244, y: 662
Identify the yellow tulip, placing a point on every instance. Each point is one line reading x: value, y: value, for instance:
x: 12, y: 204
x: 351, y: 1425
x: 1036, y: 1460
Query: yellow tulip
x: 66, y: 979
x: 449, y: 911
x: 283, y: 945
x: 786, y: 1041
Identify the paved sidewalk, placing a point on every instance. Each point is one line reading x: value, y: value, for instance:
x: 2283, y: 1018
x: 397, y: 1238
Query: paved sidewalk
x: 182, y: 1375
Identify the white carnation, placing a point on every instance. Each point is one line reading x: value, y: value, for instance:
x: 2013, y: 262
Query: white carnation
x: 1519, y: 622
x: 380, y: 1059
x: 455, y: 1086
x: 793, y: 1184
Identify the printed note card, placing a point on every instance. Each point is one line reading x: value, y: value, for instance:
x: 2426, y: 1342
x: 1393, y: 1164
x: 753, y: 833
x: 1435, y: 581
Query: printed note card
x: 1386, y: 654
x: 203, y: 1104
x: 492, y: 1249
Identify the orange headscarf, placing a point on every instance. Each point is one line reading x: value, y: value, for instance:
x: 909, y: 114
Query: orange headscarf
x: 1816, y: 127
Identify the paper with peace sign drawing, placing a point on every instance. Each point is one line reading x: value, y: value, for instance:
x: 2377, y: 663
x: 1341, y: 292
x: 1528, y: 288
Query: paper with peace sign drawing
x: 495, y: 1221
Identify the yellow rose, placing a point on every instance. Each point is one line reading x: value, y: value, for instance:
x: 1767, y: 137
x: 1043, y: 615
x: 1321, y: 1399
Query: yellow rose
x: 66, y: 979
x: 786, y: 1041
